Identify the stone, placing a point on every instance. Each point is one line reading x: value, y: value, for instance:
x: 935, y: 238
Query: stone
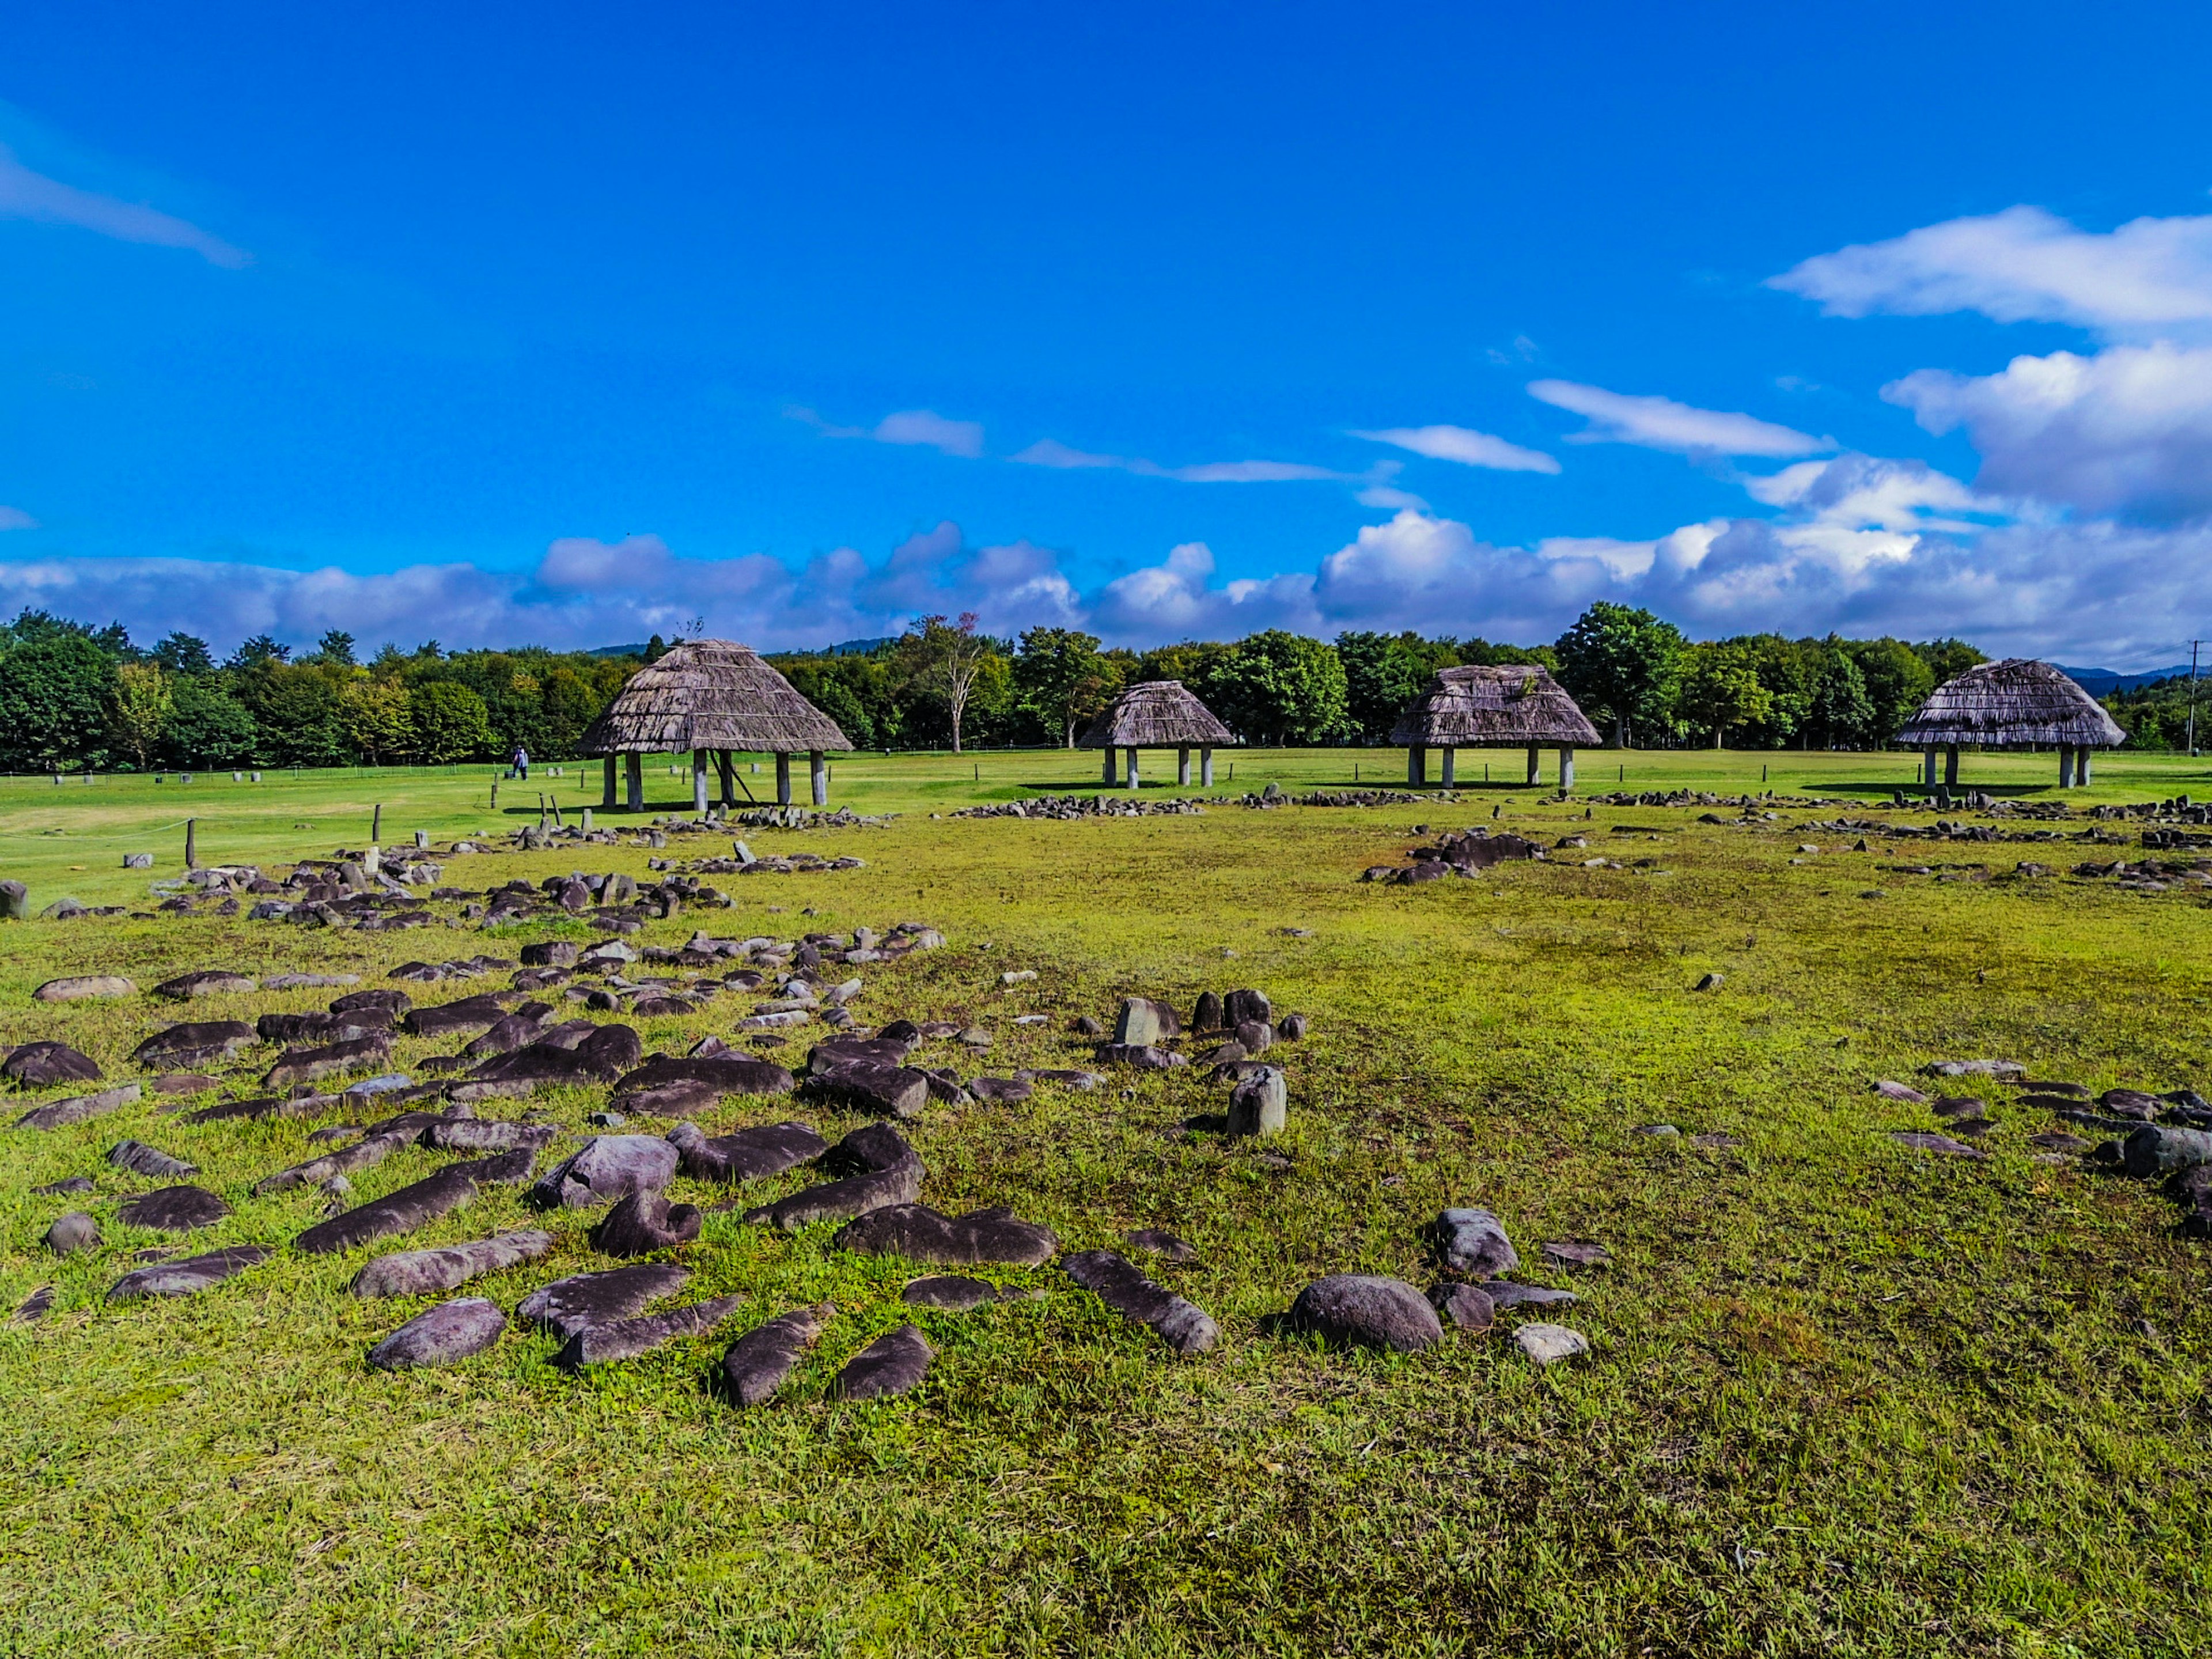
x: 308, y: 1064
x: 893, y: 1364
x: 606, y: 1168
x: 42, y: 1065
x: 72, y: 1232
x: 1663, y: 1131
x: 550, y: 953
x: 757, y: 1363
x: 426, y: 1273
x: 14, y: 901
x: 1566, y: 1253
x: 747, y: 1155
x: 626, y: 1339
x: 67, y: 1184
x: 395, y: 1001
x: 876, y: 1169
x: 1366, y: 1310
x: 447, y: 1334
x: 1472, y: 1242
x: 2159, y: 1149
x: 188, y: 1275
x: 1209, y: 1014
x: 1959, y: 1106
x: 308, y: 981
x: 950, y: 1293
x: 365, y: 1153
x: 1239, y: 1006
x: 173, y: 1209
x: 1001, y: 1090
x: 1291, y: 1028
x: 509, y: 1032
x: 1905, y: 1092
x: 1463, y: 1307
x: 603, y: 1055
x: 2056, y: 1141
x: 1139, y: 1022
x: 1181, y: 1324
x: 78, y: 1109
x: 921, y: 1234
x: 887, y: 1047
x: 450, y: 1018
x: 206, y: 982
x: 1547, y: 1344
x: 1140, y: 1058
x: 1921, y: 1141
x: 895, y: 1091
x: 1086, y: 1026
x: 413, y: 1206
x: 139, y: 1158
x: 197, y: 1043
x: 1260, y: 1105
x: 1255, y: 1038
x: 675, y: 1099
x: 35, y: 1306
x: 1711, y: 981
x: 82, y: 986
x: 1167, y: 1245
x: 500, y: 1169
x: 643, y: 1222
x: 1504, y: 1293
x: 725, y: 1073
x: 183, y: 1083
x: 485, y: 1134
x: 569, y: 1305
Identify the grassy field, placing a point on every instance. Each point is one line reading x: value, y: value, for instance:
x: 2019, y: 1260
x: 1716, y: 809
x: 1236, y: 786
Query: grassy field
x: 1842, y: 1397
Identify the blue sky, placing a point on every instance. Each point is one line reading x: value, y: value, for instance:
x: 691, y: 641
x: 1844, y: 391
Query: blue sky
x: 551, y: 324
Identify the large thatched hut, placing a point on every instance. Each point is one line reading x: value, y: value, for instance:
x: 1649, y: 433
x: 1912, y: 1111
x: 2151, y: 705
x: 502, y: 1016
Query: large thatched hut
x: 1517, y: 705
x: 1158, y: 714
x: 717, y: 699
x: 2017, y: 703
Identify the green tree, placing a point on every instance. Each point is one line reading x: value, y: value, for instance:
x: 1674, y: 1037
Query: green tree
x: 1841, y: 711
x: 1720, y: 689
x: 1383, y: 672
x: 261, y: 648
x: 54, y: 702
x: 1279, y: 687
x: 335, y: 649
x: 1898, y: 680
x: 450, y: 721
x: 1622, y: 666
x: 1061, y: 679
x: 945, y: 658
x: 1947, y: 658
x: 138, y: 707
x: 378, y: 718
x: 184, y: 654
x: 207, y: 725
x: 295, y: 712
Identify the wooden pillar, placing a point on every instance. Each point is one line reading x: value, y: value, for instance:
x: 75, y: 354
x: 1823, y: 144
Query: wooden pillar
x: 783, y: 779
x: 2081, y: 767
x: 1535, y: 769
x: 1182, y: 767
x: 634, y: 779
x: 1566, y: 771
x: 1130, y: 752
x: 699, y: 781
x: 1951, y: 766
x: 1206, y: 768
x: 1451, y: 766
x: 1417, y: 764
x: 817, y: 768
x: 608, y: 802
x: 726, y: 764
x: 1928, y: 766
x: 1106, y: 777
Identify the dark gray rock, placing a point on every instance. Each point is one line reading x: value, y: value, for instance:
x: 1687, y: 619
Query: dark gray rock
x: 1162, y: 1244
x: 73, y: 1232
x: 554, y: 1062
x: 402, y: 1212
x: 1181, y: 1324
x: 206, y: 982
x: 393, y: 1001
x: 894, y: 1091
x: 42, y: 1065
x: 2157, y: 1149
x: 331, y: 1059
x: 1463, y: 1306
x: 758, y: 1362
x: 1000, y: 1090
x: 1291, y: 1028
x: 950, y: 1293
x: 1140, y: 1058
x: 425, y: 1273
x: 78, y: 1109
x: 499, y: 1170
x: 173, y: 1209
x: 509, y: 1032
x: 487, y: 1134
x: 644, y: 1222
x: 877, y: 1170
x: 606, y: 1168
x: 921, y: 1234
x: 1209, y: 1015
x: 1255, y: 1037
x: 1240, y: 1006
x: 194, y: 1043
x: 475, y: 1013
x: 747, y: 1155
x: 35, y: 1306
x: 550, y: 953
x: 626, y: 1339
x: 447, y: 1334
x: 188, y: 1275
x: 67, y: 1184
x: 1503, y: 1294
x: 364, y: 1154
x: 139, y: 1158
x: 318, y: 1027
x: 1921, y: 1141
x: 1472, y: 1242
x: 834, y: 1054
x: 1260, y: 1105
x: 893, y: 1364
x: 1365, y: 1310
x: 582, y: 1300
x: 725, y: 1074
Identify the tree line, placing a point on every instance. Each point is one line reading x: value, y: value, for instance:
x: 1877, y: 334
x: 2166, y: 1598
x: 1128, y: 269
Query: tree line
x: 74, y: 696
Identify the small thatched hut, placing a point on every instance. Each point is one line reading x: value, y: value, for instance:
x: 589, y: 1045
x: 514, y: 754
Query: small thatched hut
x: 2013, y: 704
x: 1516, y: 705
x: 715, y: 698
x: 1158, y: 714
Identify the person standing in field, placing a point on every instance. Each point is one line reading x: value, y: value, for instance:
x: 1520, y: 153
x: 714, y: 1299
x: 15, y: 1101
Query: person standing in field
x: 522, y: 763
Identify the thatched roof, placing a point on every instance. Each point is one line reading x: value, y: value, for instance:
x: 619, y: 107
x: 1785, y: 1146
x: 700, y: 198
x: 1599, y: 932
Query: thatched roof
x: 2018, y: 700
x: 1157, y: 715
x: 1470, y: 708
x: 710, y: 693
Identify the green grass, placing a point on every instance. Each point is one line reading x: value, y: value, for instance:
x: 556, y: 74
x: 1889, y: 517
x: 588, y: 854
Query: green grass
x: 1842, y: 1398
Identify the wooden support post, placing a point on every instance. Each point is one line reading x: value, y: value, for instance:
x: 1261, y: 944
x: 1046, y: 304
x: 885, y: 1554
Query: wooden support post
x: 1451, y: 766
x: 783, y: 779
x: 1182, y: 767
x: 1417, y: 764
x: 726, y: 764
x: 1951, y: 766
x: 1206, y: 768
x: 1130, y: 756
x: 633, y: 781
x: 1928, y: 766
x: 376, y: 825
x: 1535, y: 770
x: 817, y: 768
x: 1106, y: 777
x: 192, y: 847
x: 606, y: 800
x: 699, y: 782
x: 1566, y: 771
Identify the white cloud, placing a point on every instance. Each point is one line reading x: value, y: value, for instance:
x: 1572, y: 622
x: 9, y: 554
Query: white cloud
x: 2025, y: 265
x: 927, y: 427
x: 1465, y: 445
x: 28, y: 195
x: 1662, y: 423
x: 2127, y: 431
x: 13, y: 518
x: 1050, y: 451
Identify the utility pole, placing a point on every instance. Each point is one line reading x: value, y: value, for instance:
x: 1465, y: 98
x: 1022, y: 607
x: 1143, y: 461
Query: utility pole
x: 2190, y: 744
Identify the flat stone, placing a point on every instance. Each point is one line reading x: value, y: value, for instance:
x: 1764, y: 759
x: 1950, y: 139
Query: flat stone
x: 188, y: 1275
x: 725, y: 1074
x: 413, y: 1206
x: 1292, y: 1028
x: 511, y: 1168
x: 1472, y: 1242
x: 1568, y: 1253
x: 1181, y: 1324
x: 626, y: 1339
x: 308, y: 981
x: 606, y: 1168
x: 2056, y: 1141
x: 1906, y: 1092
x: 1140, y: 1058
x: 877, y: 1170
x: 1504, y: 1293
x: 78, y: 988
x: 35, y: 1306
x: 757, y: 1363
x: 676, y: 1099
x: 894, y: 1091
x: 139, y: 1158
x: 1367, y: 1310
x: 42, y: 1065
x: 78, y: 1109
x: 1463, y: 1307
x: 1160, y: 1243
x: 308, y: 1064
x: 582, y: 1300
x: 2159, y: 1149
x: 364, y: 1154
x: 487, y: 1134
x: 183, y: 1083
x: 67, y: 1184
x: 1921, y: 1140
x: 950, y: 1293
x: 475, y: 1013
x: 747, y: 1155
x: 195, y: 1042
x: 643, y: 1222
x: 1000, y: 1090
x: 893, y: 1364
x: 921, y: 1234
x: 173, y: 1209
x: 1547, y: 1344
x: 207, y: 982
x: 71, y: 1233
x: 396, y: 1001
x: 426, y: 1273
x: 447, y: 1334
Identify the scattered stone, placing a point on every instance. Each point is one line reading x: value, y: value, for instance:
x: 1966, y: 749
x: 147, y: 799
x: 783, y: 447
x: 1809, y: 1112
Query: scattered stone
x: 877, y: 1169
x: 485, y: 1134
x: 1292, y: 1028
x: 1463, y: 1306
x: 1472, y: 1242
x: 139, y: 1158
x: 42, y: 1065
x: 582, y: 1300
x: 626, y: 1339
x: 1716, y: 1140
x: 895, y: 1091
x: 76, y: 989
x: 425, y: 1273
x: 1996, y: 1068
x: 308, y: 981
x: 643, y: 1222
x: 1138, y: 1058
x: 500, y: 1169
x: 921, y: 1234
x: 173, y: 1209
x: 606, y: 1168
x: 2158, y: 1149
x: 207, y: 982
x: 950, y: 1294
x: 1663, y: 1131
x: 2056, y: 1141
x: 1922, y: 1141
x: 1086, y: 1026
x: 363, y: 1154
x: 1568, y: 1255
x: 605, y: 1053
x: 757, y: 1363
x: 1367, y: 1310
x: 748, y: 1155
x: 1260, y: 1105
x: 1910, y: 1096
x: 402, y: 1212
x: 35, y: 1305
x: 1181, y: 1324
x: 187, y: 1276
x: 307, y: 1065
x: 447, y: 1334
x: 78, y: 1109
x: 1503, y: 1294
x: 66, y: 1184
x: 1712, y: 981
x: 1547, y: 1344
x: 1161, y: 1244
x: 183, y: 1083
x: 893, y: 1364
x: 723, y: 1073
x: 73, y: 1232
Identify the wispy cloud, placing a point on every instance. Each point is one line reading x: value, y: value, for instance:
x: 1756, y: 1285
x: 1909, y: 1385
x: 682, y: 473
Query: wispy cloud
x: 28, y: 195
x: 1050, y: 451
x: 1465, y: 445
x: 13, y: 518
x: 922, y: 427
x: 1661, y: 423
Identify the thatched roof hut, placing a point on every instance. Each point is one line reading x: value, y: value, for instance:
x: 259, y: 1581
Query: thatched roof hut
x: 2009, y: 704
x: 710, y: 693
x: 1157, y: 715
x: 1518, y: 703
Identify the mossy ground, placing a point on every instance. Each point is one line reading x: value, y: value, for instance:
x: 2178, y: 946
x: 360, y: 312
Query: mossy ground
x: 1843, y: 1398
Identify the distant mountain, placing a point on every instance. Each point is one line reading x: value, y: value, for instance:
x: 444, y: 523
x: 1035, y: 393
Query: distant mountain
x: 2103, y: 681
x: 637, y: 650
